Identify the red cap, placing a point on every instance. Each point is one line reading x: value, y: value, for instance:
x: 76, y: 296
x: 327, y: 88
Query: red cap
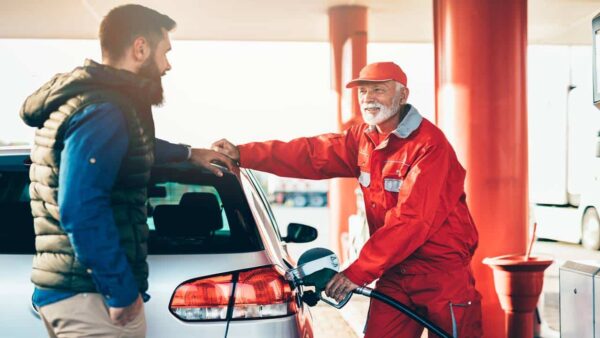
x: 379, y: 72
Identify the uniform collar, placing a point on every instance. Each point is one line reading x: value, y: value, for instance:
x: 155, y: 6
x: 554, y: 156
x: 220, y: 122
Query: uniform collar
x: 407, y: 126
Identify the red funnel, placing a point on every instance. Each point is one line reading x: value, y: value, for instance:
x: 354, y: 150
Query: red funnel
x: 518, y: 284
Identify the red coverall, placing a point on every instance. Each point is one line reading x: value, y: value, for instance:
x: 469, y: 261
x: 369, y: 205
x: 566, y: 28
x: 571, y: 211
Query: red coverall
x: 422, y: 234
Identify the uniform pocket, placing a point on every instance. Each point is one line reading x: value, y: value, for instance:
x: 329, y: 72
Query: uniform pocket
x: 395, y: 169
x: 392, y: 184
x: 393, y: 174
x: 466, y: 318
x: 364, y: 179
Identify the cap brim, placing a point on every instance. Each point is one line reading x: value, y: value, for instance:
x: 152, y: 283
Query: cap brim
x: 357, y: 82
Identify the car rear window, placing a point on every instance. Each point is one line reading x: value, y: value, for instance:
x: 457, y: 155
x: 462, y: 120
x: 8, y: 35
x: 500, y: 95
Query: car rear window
x: 189, y: 212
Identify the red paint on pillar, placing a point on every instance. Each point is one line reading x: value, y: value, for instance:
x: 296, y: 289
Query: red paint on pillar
x: 480, y: 59
x: 348, y: 38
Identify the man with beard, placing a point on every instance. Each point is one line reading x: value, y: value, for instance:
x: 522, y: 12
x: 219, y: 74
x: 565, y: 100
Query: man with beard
x: 422, y: 234
x: 94, y: 147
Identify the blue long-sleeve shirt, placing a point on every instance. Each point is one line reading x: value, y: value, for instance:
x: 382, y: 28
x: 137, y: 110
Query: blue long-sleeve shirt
x: 96, y: 141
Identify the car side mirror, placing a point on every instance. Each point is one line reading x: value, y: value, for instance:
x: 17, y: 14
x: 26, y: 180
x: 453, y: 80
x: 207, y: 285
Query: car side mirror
x: 300, y: 233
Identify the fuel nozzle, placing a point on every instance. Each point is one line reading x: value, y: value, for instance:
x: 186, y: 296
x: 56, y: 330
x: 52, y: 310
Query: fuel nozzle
x: 315, y: 268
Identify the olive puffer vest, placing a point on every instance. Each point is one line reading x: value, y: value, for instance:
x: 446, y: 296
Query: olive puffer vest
x: 49, y: 109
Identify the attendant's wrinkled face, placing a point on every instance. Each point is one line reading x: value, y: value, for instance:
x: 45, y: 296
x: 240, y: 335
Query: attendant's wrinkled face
x: 157, y: 65
x: 379, y: 101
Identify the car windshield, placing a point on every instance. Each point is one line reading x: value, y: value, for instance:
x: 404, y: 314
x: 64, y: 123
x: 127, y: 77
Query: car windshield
x: 189, y: 212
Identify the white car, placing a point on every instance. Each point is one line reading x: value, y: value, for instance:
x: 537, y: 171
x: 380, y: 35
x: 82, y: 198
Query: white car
x: 216, y: 257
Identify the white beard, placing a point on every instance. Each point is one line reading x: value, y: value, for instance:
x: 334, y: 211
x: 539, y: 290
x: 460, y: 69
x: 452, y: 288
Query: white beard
x: 380, y: 116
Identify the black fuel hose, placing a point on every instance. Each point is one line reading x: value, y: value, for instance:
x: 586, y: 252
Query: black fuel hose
x: 404, y: 309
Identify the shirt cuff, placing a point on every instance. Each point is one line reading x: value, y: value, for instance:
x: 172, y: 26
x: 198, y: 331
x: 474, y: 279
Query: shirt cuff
x: 242, y: 149
x: 356, y: 275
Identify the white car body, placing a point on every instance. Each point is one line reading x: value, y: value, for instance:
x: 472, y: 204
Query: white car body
x: 18, y: 318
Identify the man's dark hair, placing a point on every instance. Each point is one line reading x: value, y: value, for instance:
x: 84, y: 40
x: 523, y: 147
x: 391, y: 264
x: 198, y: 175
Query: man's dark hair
x: 123, y: 24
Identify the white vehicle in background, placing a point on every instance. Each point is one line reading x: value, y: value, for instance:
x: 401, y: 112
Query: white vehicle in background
x: 564, y: 145
x: 297, y: 192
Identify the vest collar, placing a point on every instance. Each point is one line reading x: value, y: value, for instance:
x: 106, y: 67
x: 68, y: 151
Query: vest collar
x: 91, y: 77
x: 139, y: 87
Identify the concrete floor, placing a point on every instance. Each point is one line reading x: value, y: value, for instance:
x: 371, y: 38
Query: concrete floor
x: 328, y: 322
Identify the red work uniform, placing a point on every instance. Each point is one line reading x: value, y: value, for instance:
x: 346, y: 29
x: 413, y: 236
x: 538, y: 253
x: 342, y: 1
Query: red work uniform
x: 422, y: 234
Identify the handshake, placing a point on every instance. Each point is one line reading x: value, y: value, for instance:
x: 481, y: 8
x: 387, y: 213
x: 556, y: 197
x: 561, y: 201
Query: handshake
x: 222, y: 152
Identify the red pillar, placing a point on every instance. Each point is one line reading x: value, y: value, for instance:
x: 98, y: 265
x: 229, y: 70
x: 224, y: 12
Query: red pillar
x: 348, y: 38
x: 480, y: 55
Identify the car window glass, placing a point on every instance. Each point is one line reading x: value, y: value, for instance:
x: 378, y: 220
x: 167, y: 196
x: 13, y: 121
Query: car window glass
x: 174, y: 193
x: 194, y: 212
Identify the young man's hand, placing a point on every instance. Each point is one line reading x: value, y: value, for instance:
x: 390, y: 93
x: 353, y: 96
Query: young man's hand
x: 123, y: 315
x: 227, y: 148
x: 205, y: 157
x: 339, y: 286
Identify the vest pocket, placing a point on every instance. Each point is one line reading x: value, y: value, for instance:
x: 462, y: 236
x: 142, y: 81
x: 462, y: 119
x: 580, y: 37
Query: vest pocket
x: 364, y: 179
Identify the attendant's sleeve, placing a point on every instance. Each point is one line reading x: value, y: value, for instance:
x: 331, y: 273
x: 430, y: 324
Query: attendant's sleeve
x: 96, y: 142
x: 318, y: 157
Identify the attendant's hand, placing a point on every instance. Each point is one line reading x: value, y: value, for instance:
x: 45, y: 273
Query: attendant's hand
x: 123, y: 315
x: 339, y: 286
x: 227, y: 148
x: 205, y: 157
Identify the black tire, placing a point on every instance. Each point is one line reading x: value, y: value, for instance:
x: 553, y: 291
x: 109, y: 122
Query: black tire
x: 590, y: 229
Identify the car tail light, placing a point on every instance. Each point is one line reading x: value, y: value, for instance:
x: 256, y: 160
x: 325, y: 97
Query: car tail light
x: 257, y: 293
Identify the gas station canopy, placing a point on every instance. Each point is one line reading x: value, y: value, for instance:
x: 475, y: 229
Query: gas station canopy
x: 550, y: 21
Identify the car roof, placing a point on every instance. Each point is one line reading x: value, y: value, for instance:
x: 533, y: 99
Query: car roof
x: 17, y: 157
x: 14, y: 158
x: 15, y: 150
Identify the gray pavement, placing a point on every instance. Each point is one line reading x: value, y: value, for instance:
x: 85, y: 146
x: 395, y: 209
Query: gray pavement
x: 328, y: 322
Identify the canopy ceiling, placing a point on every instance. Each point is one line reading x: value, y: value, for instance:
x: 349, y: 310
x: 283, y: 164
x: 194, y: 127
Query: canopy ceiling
x: 550, y: 21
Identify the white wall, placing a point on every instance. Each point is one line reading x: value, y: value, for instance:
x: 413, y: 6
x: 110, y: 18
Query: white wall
x: 263, y: 90
x: 417, y: 61
x: 26, y: 64
x: 240, y: 90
